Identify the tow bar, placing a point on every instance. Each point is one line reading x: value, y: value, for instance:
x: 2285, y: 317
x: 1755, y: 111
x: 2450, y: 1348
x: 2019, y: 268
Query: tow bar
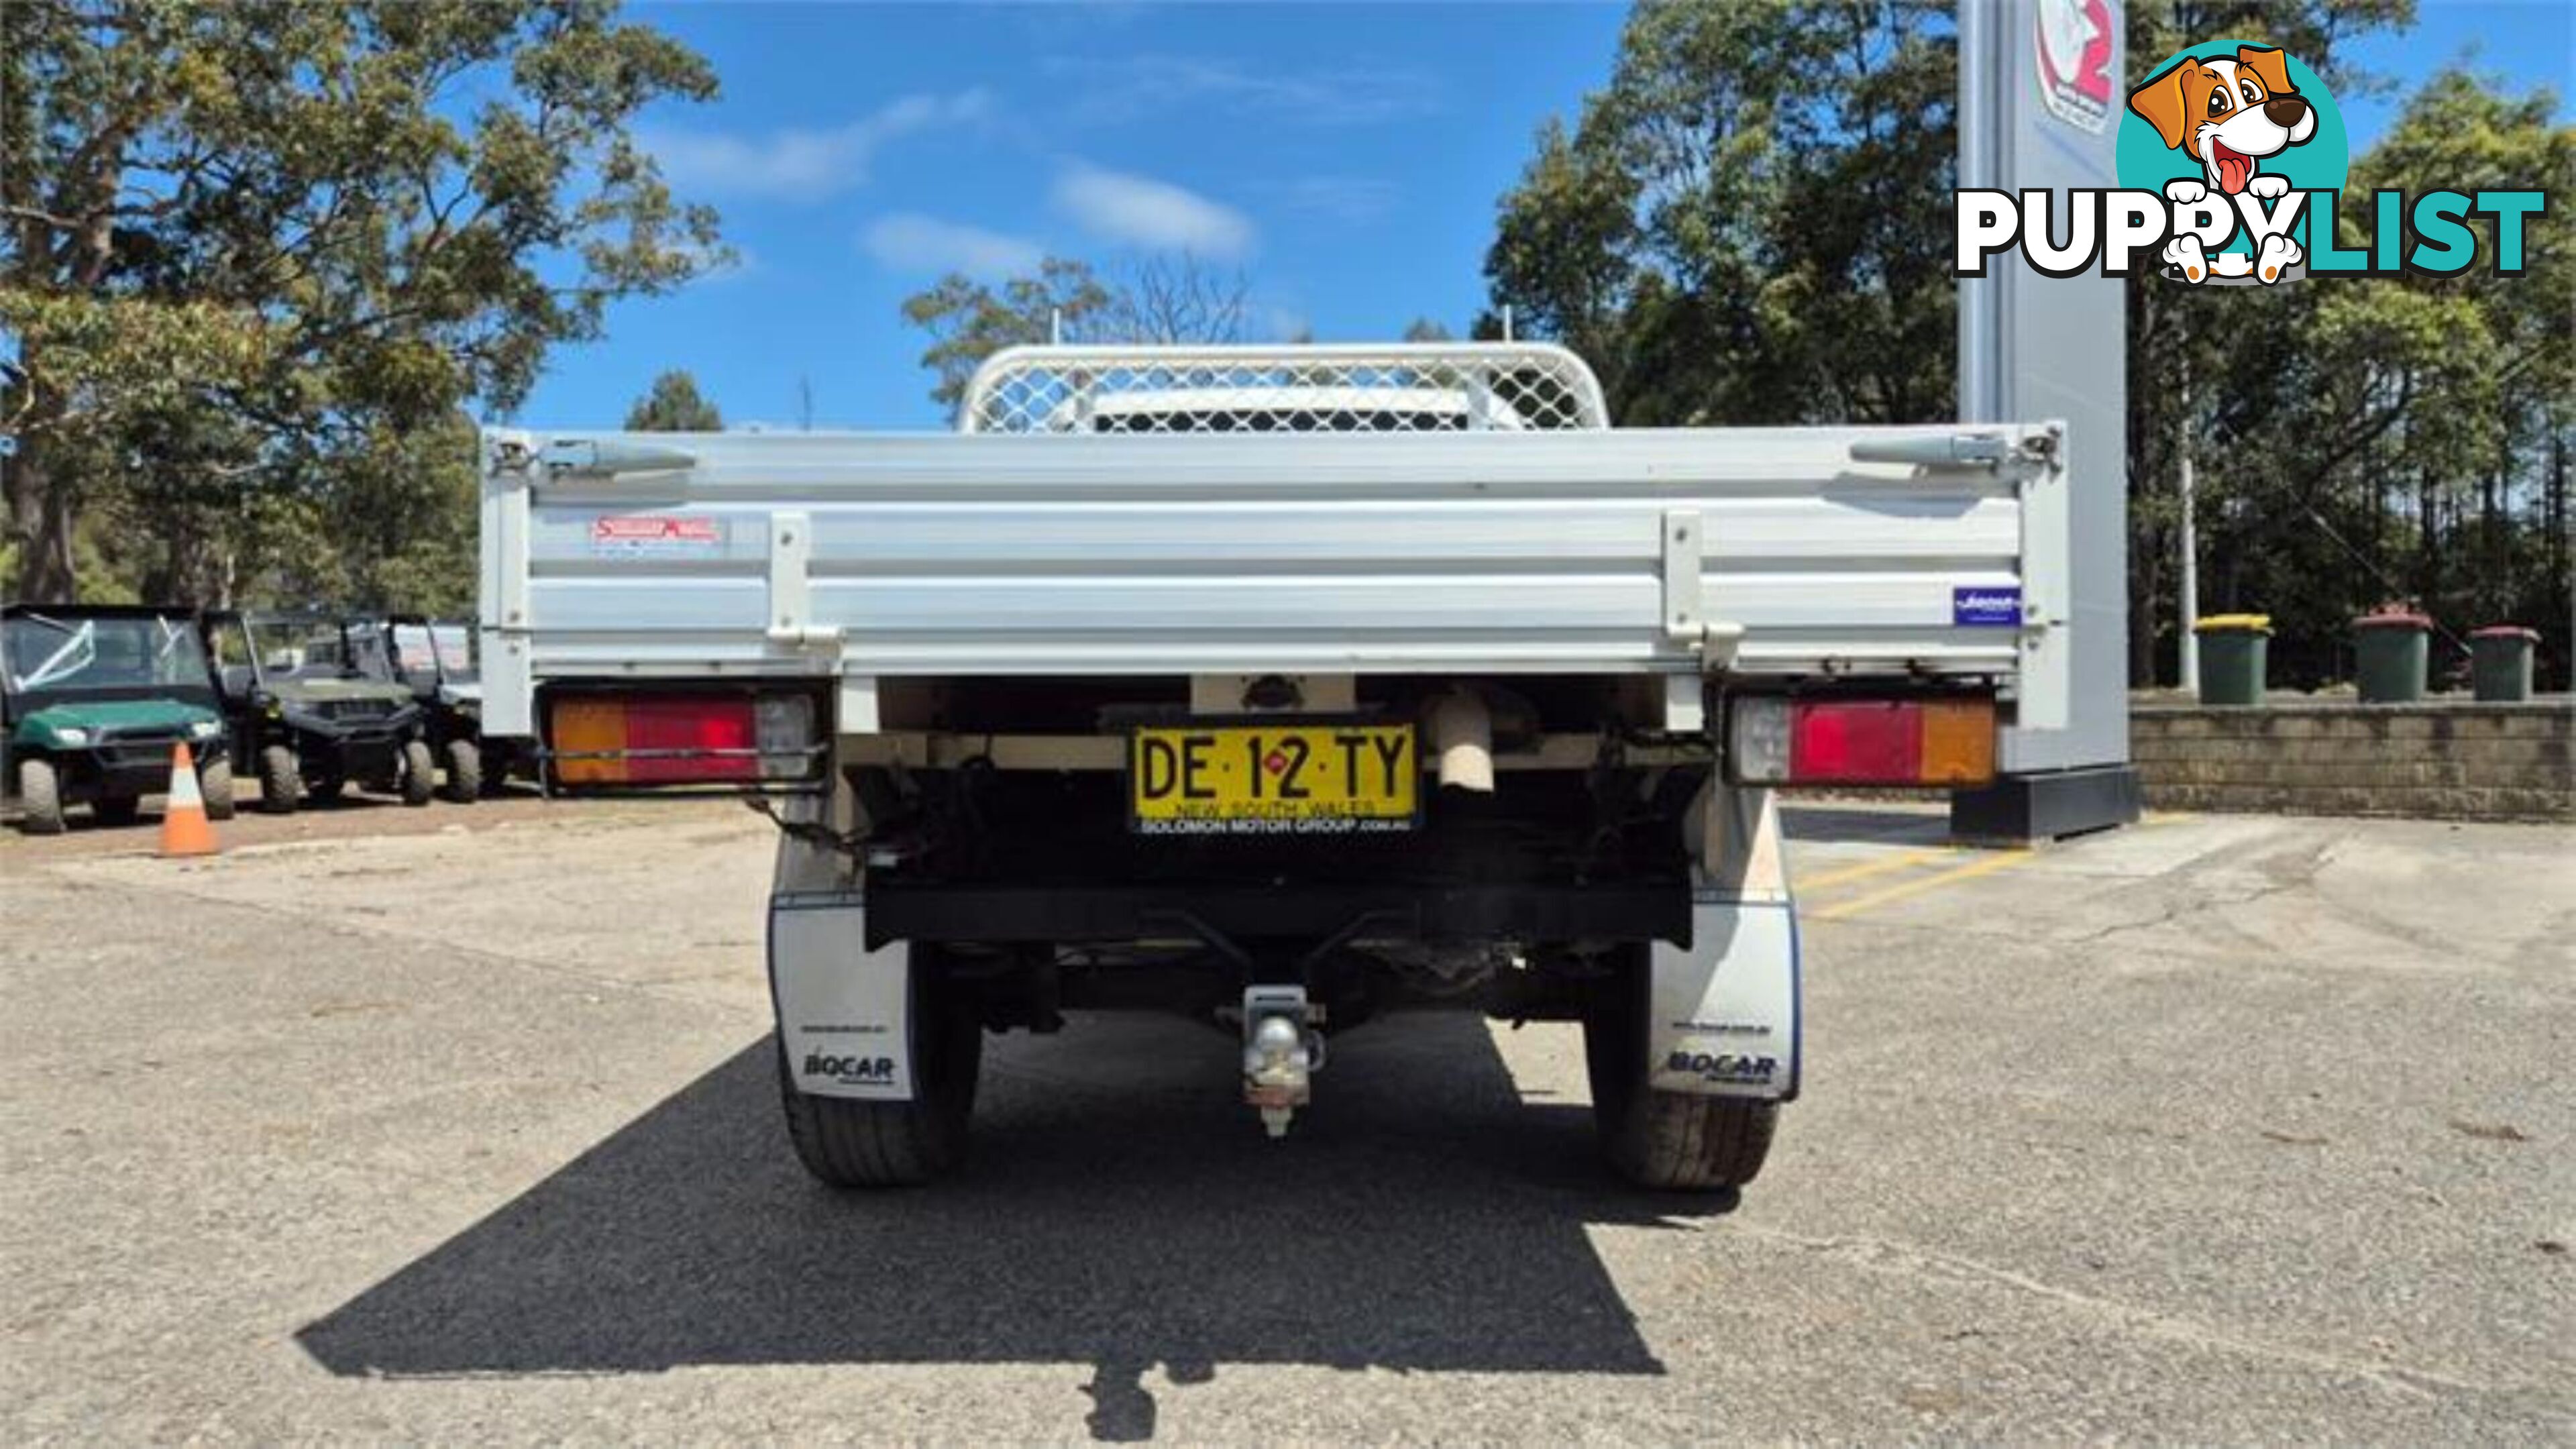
x: 1281, y: 1053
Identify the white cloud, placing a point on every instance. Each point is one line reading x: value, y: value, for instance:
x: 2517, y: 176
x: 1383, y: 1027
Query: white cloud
x: 911, y: 242
x: 1155, y: 215
x: 806, y: 165
x: 1343, y: 198
x: 1124, y: 88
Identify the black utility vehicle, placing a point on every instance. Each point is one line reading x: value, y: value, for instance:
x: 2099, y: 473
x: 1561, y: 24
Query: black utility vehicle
x: 437, y: 658
x: 308, y: 714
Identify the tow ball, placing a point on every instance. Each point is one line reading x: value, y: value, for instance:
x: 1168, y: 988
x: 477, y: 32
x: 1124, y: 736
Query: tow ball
x: 1281, y: 1053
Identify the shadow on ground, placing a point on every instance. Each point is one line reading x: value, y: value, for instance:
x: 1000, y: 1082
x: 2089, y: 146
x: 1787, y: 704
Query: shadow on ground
x: 1848, y: 824
x: 1422, y: 1217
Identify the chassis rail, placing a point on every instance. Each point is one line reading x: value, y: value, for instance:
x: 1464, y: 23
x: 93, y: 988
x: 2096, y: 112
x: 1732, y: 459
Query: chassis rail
x: 1627, y: 911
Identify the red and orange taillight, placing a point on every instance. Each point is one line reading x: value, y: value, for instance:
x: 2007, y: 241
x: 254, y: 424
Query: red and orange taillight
x: 1776, y: 740
x: 682, y: 739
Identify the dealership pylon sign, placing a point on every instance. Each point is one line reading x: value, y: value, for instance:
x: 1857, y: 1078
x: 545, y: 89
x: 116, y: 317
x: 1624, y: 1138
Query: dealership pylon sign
x: 2039, y: 107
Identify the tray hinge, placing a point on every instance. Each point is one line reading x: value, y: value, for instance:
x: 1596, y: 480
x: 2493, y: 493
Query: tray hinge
x: 791, y: 548
x: 1686, y: 619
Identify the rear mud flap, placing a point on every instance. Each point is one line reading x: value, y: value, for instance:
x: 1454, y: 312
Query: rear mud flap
x: 1725, y: 1020
x: 844, y: 1011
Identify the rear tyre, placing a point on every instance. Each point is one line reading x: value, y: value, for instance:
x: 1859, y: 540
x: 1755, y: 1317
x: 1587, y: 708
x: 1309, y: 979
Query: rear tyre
x: 281, y: 780
x: 215, y: 782
x: 419, y: 773
x: 40, y: 792
x: 464, y: 772
x: 116, y: 809
x: 1668, y: 1140
x: 851, y: 1144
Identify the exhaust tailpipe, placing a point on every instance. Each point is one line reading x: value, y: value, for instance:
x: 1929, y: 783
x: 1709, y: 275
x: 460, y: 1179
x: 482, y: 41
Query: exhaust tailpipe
x: 1462, y: 731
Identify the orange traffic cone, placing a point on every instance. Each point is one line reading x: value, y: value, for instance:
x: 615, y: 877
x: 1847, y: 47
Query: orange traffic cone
x: 185, y: 830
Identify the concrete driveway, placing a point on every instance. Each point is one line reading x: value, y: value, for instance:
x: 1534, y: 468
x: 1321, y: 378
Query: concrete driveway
x: 2213, y: 1129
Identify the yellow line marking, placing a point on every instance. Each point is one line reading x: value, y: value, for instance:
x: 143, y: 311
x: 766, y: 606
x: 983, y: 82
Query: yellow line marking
x: 1867, y: 869
x: 1902, y: 889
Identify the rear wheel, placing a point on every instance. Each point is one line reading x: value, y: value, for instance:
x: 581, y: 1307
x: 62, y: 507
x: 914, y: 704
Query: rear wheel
x: 215, y: 782
x: 852, y: 1144
x: 1674, y: 1140
x: 419, y: 773
x: 40, y: 792
x: 464, y: 772
x: 116, y: 809
x: 281, y: 780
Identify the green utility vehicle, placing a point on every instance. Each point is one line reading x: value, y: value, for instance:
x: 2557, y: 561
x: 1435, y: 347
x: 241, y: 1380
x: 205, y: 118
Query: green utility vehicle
x: 308, y: 714
x: 91, y: 700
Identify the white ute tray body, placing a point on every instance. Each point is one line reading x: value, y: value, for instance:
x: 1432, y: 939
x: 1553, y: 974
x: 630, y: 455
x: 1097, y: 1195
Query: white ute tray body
x: 694, y: 556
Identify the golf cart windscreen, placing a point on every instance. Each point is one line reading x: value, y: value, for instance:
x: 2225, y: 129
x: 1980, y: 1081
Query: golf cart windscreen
x: 446, y: 649
x: 40, y: 652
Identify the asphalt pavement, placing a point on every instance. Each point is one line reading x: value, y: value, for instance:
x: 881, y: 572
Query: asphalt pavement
x: 463, y: 1126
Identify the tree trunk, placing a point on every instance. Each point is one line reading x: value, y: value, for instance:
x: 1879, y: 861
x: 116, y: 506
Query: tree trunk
x: 2428, y: 541
x: 165, y: 577
x: 40, y: 524
x: 2495, y: 572
x: 2557, y: 512
x: 2225, y: 547
x: 2146, y: 589
x: 2563, y: 596
x: 2379, y: 486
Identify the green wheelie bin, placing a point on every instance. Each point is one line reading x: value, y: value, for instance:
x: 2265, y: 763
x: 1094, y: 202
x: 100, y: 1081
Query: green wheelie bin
x: 2391, y: 649
x: 2500, y: 662
x: 2233, y: 655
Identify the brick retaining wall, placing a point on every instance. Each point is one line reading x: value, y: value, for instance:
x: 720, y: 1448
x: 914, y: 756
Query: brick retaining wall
x: 2440, y: 760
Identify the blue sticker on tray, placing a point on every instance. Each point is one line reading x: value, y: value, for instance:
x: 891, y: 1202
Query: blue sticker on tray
x: 1985, y: 608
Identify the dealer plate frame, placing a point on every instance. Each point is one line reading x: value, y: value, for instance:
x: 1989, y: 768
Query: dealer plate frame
x: 1364, y: 826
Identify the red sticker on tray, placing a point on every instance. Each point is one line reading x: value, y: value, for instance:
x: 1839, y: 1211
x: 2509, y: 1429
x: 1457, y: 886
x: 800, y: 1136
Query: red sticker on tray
x: 655, y: 533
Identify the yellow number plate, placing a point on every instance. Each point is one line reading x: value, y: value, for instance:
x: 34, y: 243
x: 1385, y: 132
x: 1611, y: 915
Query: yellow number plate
x: 1282, y: 779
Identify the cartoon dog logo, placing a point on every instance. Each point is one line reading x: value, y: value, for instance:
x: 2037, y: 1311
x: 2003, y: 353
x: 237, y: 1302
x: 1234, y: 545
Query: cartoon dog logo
x: 2228, y: 115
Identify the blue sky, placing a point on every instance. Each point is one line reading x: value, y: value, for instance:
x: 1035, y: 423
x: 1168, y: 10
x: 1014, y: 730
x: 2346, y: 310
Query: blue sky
x: 1345, y: 158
